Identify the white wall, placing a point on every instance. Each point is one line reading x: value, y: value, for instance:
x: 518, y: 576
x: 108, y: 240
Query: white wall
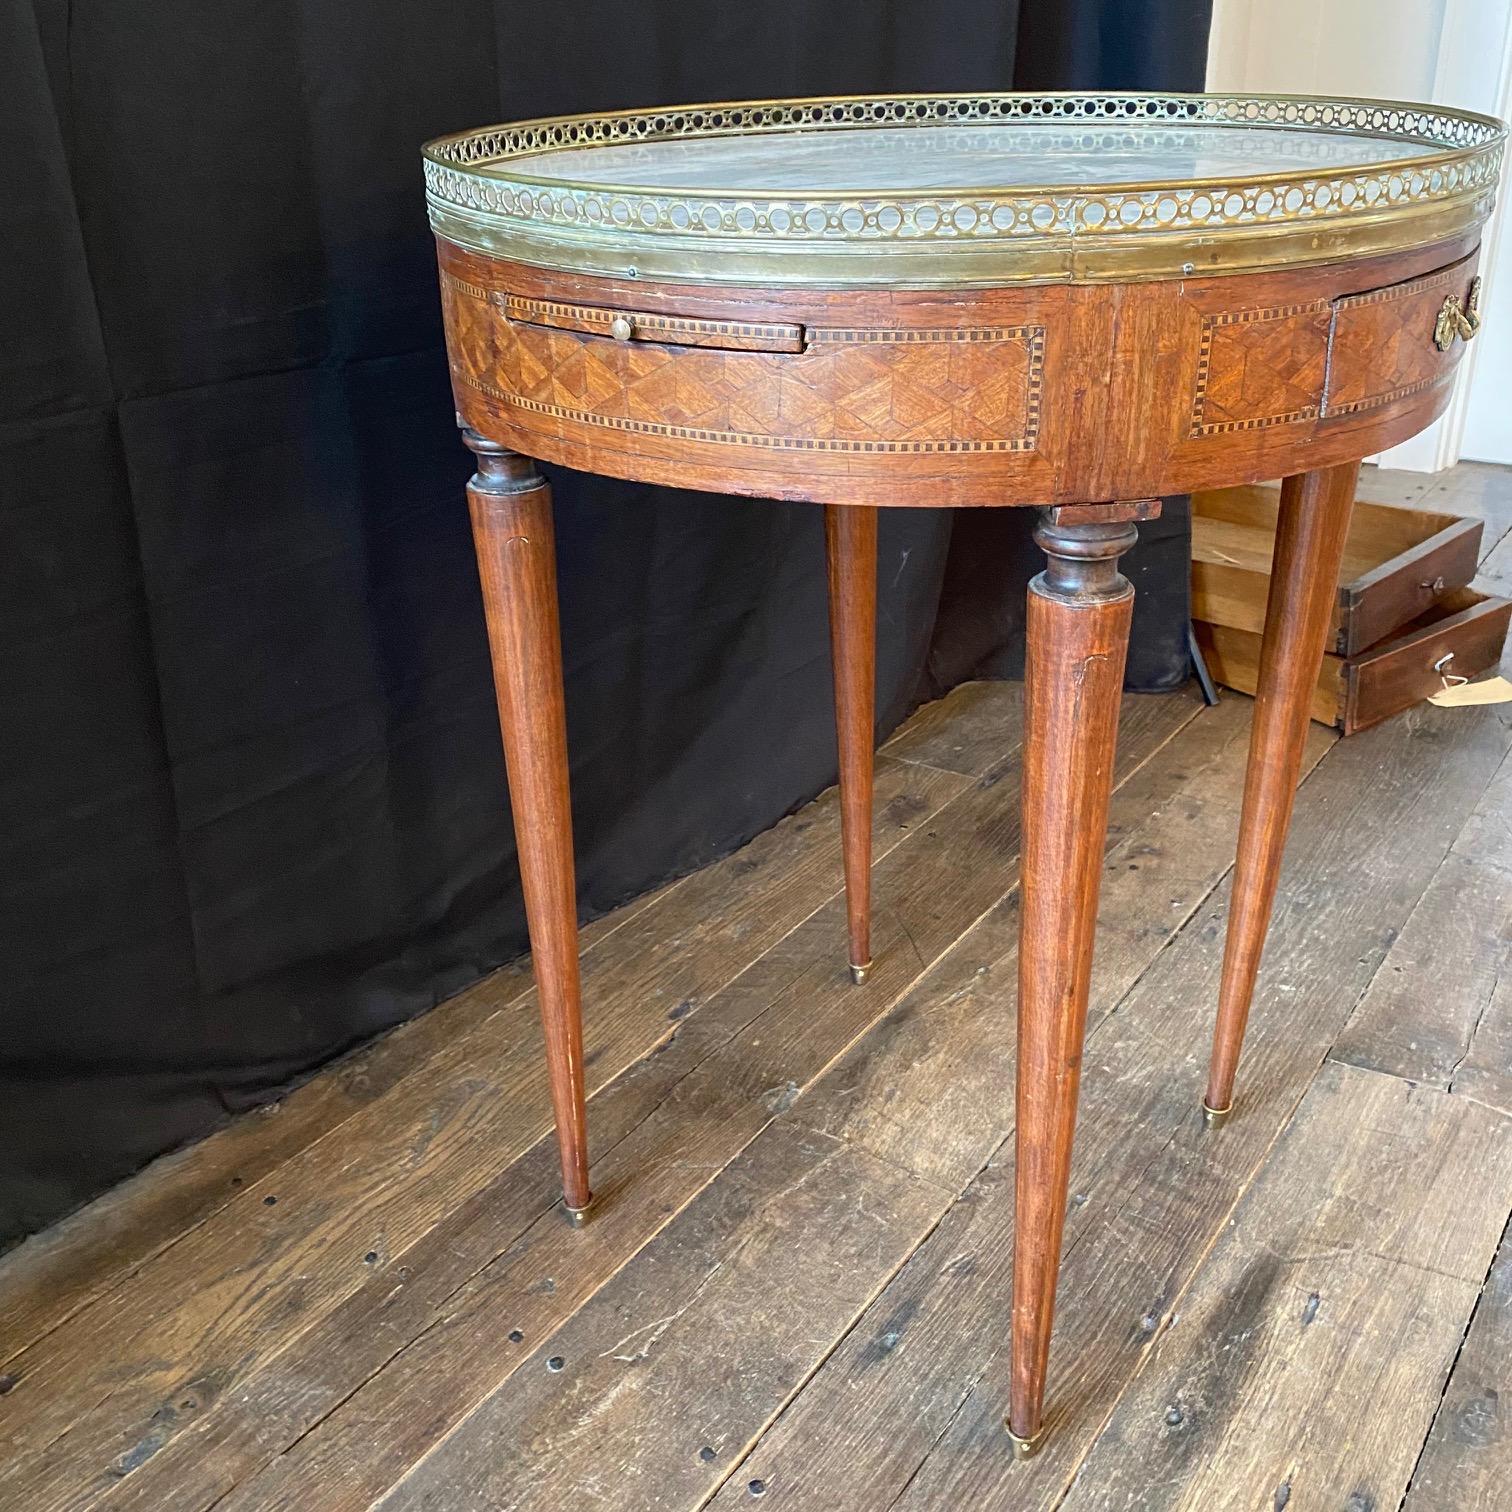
x: 1376, y: 48
x: 1487, y: 435
x: 1450, y: 52
x: 1485, y: 73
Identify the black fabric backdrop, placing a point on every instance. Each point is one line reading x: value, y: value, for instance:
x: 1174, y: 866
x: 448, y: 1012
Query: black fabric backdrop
x: 252, y: 798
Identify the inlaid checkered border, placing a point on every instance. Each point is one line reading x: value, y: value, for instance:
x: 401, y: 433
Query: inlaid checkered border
x: 1216, y: 322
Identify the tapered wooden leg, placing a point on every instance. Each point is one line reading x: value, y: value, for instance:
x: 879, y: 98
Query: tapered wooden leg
x: 1078, y: 633
x: 512, y: 529
x: 1314, y: 521
x: 850, y: 537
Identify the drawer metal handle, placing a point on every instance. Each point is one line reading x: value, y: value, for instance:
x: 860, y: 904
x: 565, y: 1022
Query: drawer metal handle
x: 622, y: 328
x: 1455, y: 319
x: 1448, y: 678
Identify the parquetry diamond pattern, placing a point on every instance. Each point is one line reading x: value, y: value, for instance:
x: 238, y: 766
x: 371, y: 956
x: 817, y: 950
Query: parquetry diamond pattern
x: 1383, y: 343
x: 950, y: 390
x: 1260, y: 367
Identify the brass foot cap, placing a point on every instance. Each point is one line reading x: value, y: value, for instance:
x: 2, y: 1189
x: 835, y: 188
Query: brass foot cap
x: 1215, y: 1118
x: 1024, y: 1448
x: 860, y: 973
x: 578, y: 1216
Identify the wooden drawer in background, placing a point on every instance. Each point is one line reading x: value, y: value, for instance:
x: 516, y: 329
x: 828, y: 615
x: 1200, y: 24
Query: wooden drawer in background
x: 1397, y: 563
x: 1356, y: 692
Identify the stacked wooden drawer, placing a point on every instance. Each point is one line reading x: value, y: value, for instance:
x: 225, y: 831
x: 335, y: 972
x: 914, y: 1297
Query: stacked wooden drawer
x: 1403, y: 603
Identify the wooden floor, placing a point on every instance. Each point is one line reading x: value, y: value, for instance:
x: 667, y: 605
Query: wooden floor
x: 794, y: 1290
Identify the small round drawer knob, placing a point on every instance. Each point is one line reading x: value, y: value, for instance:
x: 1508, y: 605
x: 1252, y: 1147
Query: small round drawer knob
x: 621, y: 329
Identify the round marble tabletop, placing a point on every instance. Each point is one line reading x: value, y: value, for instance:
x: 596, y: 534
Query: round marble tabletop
x: 930, y: 190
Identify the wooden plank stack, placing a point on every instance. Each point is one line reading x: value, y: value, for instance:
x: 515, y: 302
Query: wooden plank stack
x: 1404, y: 604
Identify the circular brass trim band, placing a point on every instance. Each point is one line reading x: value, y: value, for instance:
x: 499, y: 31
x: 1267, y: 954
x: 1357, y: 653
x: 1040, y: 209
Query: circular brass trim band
x: 1443, y: 184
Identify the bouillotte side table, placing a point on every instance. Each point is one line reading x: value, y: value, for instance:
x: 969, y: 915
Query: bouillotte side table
x: 1077, y: 302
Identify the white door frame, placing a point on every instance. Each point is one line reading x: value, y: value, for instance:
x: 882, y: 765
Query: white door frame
x: 1474, y: 72
x: 1454, y: 52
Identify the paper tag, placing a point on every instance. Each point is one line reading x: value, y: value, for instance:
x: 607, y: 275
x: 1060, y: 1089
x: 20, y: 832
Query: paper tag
x: 1493, y: 690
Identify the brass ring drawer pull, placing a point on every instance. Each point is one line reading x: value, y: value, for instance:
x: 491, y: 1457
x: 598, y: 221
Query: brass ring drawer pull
x: 1455, y: 319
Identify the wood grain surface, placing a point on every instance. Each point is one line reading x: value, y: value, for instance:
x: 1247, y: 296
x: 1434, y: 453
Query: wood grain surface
x: 1342, y: 1286
x: 1079, y: 614
x: 515, y: 540
x: 850, y: 539
x: 1312, y: 527
x: 1397, y: 563
x: 1457, y: 1037
x: 1467, y: 1462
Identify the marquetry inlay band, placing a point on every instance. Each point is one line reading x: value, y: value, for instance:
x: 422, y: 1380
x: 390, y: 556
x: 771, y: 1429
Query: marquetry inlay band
x: 756, y: 438
x: 1394, y: 292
